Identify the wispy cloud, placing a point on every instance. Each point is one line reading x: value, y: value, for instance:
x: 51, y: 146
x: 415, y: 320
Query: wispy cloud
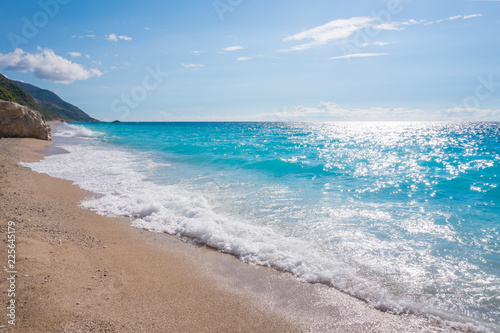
x: 83, y: 37
x: 246, y: 58
x: 75, y: 54
x: 456, y: 17
x: 331, y: 31
x: 193, y: 67
x: 46, y: 65
x: 233, y: 48
x: 465, y: 17
x: 403, y: 24
x: 341, y: 29
x: 115, y: 38
x: 375, y: 44
x: 359, y: 55
x: 197, y: 52
x: 397, y: 25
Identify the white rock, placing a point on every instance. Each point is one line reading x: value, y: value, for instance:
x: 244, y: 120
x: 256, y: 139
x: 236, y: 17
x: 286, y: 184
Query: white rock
x: 19, y: 121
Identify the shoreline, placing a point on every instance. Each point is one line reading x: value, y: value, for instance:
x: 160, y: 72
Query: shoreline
x: 82, y: 271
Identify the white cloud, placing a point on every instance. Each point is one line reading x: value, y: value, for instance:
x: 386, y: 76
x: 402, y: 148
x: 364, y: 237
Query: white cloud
x: 252, y: 57
x: 465, y: 17
x: 456, y: 17
x: 197, y: 52
x: 412, y: 21
x: 233, y: 48
x: 46, y: 65
x: 380, y: 43
x: 115, y: 38
x: 334, y: 30
x: 396, y: 26
x: 147, y: 28
x: 453, y: 18
x: 375, y: 44
x: 358, y: 55
x: 112, y: 37
x: 75, y: 54
x: 194, y: 67
x: 341, y: 29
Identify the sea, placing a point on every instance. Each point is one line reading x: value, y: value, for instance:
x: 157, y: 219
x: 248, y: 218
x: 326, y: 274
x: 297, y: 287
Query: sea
x: 402, y: 215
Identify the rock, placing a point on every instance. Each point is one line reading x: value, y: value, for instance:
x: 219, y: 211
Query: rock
x: 18, y: 121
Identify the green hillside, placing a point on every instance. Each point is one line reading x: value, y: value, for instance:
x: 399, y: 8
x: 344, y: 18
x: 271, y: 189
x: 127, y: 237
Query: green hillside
x: 9, y: 91
x: 51, y: 106
x: 55, y: 105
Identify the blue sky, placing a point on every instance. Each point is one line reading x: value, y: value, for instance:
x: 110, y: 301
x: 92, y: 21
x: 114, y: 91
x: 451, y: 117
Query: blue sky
x: 259, y: 60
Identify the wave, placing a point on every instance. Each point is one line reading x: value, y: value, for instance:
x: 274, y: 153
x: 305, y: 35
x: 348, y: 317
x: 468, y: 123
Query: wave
x: 74, y: 131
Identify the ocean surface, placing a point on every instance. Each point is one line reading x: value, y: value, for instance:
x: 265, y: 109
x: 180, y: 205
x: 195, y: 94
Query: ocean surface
x: 405, y: 216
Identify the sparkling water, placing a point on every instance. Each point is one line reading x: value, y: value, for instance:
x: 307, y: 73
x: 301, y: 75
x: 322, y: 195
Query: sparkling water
x: 402, y: 215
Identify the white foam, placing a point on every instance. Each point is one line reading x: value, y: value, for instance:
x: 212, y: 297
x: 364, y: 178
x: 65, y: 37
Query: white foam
x: 74, y: 131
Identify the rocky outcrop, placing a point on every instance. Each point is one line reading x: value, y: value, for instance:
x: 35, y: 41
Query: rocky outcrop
x: 18, y: 121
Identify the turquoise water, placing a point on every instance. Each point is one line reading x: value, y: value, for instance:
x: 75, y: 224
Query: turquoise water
x: 403, y: 215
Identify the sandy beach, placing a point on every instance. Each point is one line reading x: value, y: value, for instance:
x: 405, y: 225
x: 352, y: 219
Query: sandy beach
x: 81, y: 272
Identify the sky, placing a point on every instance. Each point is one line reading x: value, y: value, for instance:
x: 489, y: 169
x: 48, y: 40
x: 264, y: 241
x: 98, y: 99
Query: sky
x: 256, y: 60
